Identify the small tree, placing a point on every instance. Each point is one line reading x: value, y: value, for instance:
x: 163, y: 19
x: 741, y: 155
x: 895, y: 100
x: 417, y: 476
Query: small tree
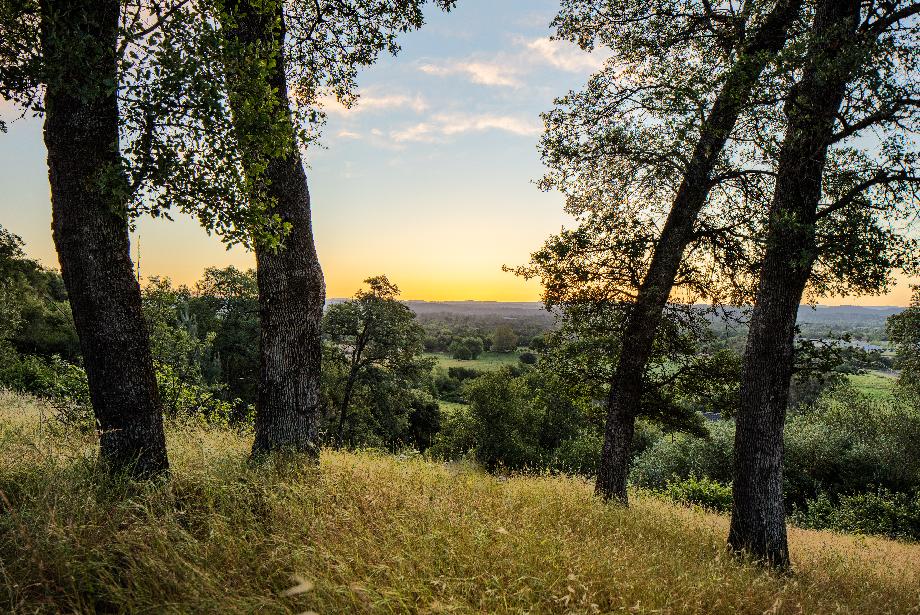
x: 466, y: 348
x: 460, y: 351
x: 504, y: 339
x: 904, y: 332
x: 382, y: 344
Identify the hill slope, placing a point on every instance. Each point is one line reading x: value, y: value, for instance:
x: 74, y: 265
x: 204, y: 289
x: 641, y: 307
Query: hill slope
x: 374, y: 533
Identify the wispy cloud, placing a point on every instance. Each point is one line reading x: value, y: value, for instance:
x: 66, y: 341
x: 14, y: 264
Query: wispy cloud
x: 483, y: 73
x: 512, y: 69
x: 564, y: 56
x: 370, y: 102
x: 446, y: 125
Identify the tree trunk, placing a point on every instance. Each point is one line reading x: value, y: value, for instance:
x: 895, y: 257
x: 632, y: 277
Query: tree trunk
x: 758, y: 523
x: 292, y: 292
x: 90, y: 227
x: 626, y: 388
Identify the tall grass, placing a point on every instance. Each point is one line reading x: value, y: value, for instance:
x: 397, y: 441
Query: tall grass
x: 370, y: 533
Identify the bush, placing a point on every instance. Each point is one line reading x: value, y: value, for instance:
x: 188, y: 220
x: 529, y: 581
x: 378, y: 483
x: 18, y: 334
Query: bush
x: 682, y: 456
x: 465, y: 349
x: 694, y: 491
x: 895, y: 515
x: 579, y: 455
x: 60, y: 382
x: 528, y: 358
x: 456, y: 438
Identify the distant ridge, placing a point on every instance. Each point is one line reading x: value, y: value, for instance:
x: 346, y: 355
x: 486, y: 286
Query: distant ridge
x: 807, y: 314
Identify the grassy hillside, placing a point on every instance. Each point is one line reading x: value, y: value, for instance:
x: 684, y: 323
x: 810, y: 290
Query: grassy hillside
x: 367, y: 533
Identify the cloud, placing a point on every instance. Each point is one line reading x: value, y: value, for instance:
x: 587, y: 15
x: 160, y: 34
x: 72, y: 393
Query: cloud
x: 564, y: 56
x: 348, y: 134
x: 483, y: 73
x: 446, y: 125
x: 419, y: 133
x: 510, y: 69
x: 371, y: 102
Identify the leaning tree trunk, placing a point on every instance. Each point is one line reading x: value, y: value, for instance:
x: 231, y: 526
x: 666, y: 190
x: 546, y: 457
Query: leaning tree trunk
x: 627, y: 387
x: 90, y: 226
x: 292, y: 292
x: 758, y: 523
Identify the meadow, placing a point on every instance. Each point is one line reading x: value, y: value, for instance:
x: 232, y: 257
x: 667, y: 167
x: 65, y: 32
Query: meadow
x: 367, y: 532
x: 486, y: 362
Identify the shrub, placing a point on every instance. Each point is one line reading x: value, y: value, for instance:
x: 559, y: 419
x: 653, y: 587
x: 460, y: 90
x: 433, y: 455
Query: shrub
x: 682, y: 456
x: 579, y: 455
x: 704, y: 492
x: 456, y: 438
x: 60, y: 382
x: 895, y: 515
x: 528, y: 358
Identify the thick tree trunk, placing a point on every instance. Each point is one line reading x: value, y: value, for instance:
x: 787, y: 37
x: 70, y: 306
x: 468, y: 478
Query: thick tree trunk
x: 626, y: 388
x: 292, y: 292
x: 758, y: 524
x: 90, y: 225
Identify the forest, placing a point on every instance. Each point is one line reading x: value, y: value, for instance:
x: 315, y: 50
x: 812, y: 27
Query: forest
x: 677, y: 426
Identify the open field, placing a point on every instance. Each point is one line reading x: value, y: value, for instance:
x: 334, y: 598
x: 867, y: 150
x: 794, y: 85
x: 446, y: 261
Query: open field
x: 874, y: 384
x: 370, y: 533
x: 487, y: 361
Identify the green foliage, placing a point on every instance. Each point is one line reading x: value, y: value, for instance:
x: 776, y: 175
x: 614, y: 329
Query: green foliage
x: 694, y: 491
x: 578, y: 455
x: 904, y: 332
x: 682, y: 456
x: 226, y: 304
x: 895, y: 515
x: 505, y: 420
x: 504, y: 339
x: 379, y: 372
x: 34, y: 312
x: 188, y: 363
x: 466, y: 348
x: 851, y: 442
x: 54, y: 379
x: 528, y: 358
x: 846, y: 444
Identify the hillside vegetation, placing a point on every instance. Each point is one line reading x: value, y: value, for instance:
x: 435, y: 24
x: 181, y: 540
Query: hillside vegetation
x: 375, y: 533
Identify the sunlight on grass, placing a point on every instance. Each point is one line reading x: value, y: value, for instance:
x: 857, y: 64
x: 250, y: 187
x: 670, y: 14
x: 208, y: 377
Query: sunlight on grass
x: 372, y: 533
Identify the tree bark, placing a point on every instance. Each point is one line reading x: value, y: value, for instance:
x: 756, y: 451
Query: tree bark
x: 758, y: 523
x: 292, y: 291
x: 626, y: 388
x: 90, y: 228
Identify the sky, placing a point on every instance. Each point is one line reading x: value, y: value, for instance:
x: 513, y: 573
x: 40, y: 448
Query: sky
x: 429, y: 179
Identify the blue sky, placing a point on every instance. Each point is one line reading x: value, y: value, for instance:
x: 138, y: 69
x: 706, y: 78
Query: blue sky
x: 429, y: 179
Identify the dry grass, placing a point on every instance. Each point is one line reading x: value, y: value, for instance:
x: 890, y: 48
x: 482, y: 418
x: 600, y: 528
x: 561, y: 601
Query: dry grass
x: 366, y: 533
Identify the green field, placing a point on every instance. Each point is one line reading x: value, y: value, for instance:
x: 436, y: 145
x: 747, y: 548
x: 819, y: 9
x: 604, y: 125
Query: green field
x: 373, y: 533
x: 874, y: 384
x: 487, y: 361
